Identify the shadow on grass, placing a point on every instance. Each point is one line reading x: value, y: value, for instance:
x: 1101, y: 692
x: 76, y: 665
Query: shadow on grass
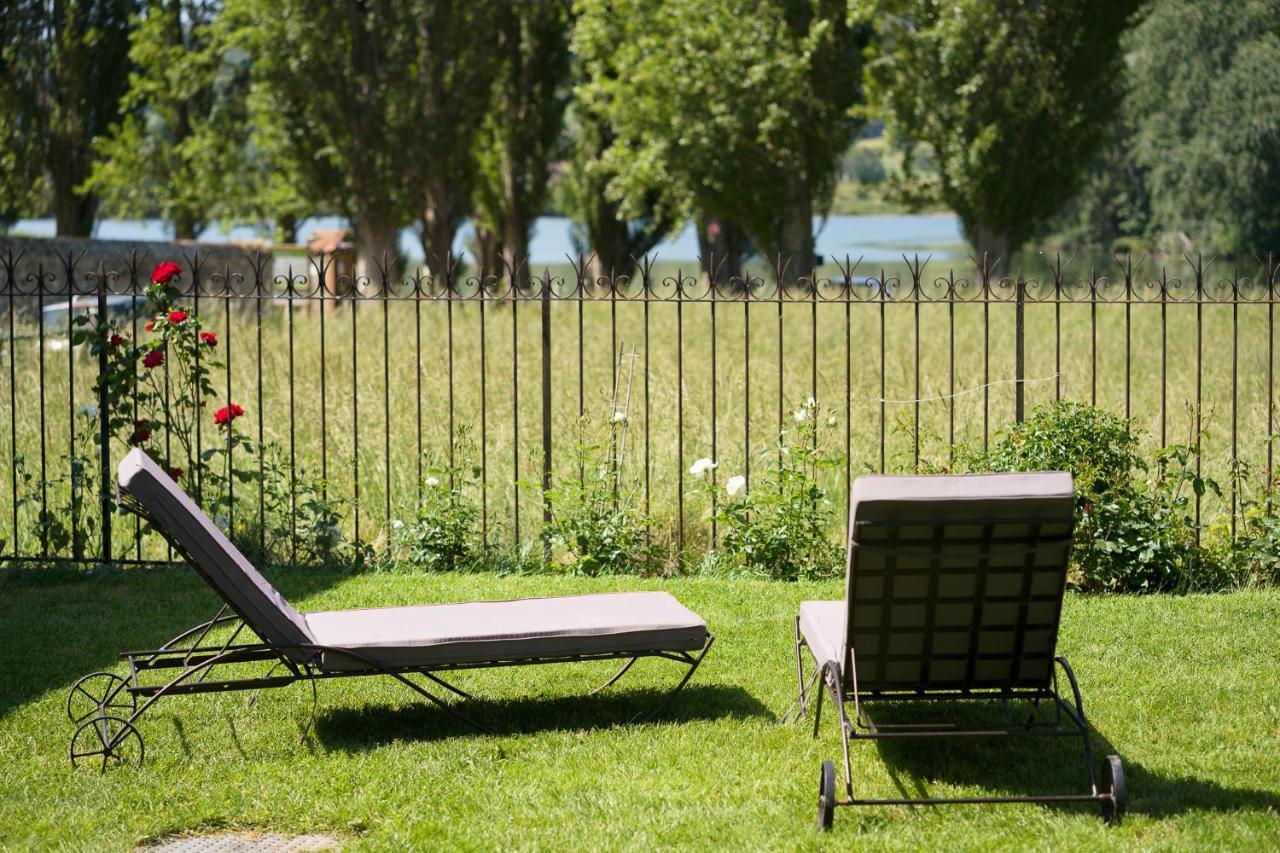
x: 59, y: 624
x: 356, y: 729
x: 1032, y: 766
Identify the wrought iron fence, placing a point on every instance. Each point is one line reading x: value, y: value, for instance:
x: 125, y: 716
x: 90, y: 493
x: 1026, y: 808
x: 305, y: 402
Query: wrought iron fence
x: 368, y: 382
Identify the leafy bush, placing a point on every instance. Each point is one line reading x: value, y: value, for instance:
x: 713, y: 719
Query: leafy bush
x: 445, y: 534
x: 597, y: 526
x: 1135, y: 526
x: 781, y: 527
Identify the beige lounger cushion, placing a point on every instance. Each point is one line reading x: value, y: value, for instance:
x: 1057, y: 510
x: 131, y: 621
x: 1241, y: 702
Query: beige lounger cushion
x: 505, y: 630
x: 216, y: 558
x: 922, y: 609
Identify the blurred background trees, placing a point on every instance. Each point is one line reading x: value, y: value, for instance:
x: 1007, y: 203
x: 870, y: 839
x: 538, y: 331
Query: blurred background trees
x: 1077, y: 123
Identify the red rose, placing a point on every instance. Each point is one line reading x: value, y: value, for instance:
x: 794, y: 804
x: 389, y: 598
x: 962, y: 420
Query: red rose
x: 175, y: 474
x: 165, y: 272
x: 177, y: 316
x: 115, y: 341
x: 209, y: 338
x: 155, y: 358
x: 227, y: 414
x: 141, y: 431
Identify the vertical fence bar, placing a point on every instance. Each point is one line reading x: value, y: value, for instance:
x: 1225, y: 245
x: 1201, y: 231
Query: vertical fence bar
x: 104, y: 419
x: 714, y: 443
x: 582, y: 393
x: 680, y: 413
x: 1019, y: 347
x: 1057, y: 331
x: 1128, y: 337
x: 386, y: 399
x: 1093, y: 336
x: 781, y: 354
x: 355, y: 404
x: 951, y: 368
x: 326, y: 302
x: 646, y: 293
x: 1235, y: 391
x: 417, y: 376
x: 44, y: 473
x: 1164, y: 354
x: 746, y: 381
x: 848, y: 387
x: 1199, y: 373
x: 227, y: 283
x: 546, y: 413
x: 484, y: 420
x: 884, y: 287
x: 917, y: 292
x: 1271, y: 371
x: 986, y: 353
x: 257, y: 322
x: 615, y: 365
x: 293, y: 455
x: 76, y: 552
x: 9, y: 267
x: 515, y: 399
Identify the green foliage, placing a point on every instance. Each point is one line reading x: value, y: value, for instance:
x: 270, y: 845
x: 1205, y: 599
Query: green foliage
x: 706, y: 98
x: 1014, y: 98
x: 781, y: 527
x: 446, y: 532
x: 1206, y: 105
x: 1135, y: 523
x: 597, y: 526
x: 63, y: 69
x: 182, y: 149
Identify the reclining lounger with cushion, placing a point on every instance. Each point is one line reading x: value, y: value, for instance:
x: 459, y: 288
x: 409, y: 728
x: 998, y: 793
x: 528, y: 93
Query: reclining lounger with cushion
x: 394, y: 641
x: 953, y: 591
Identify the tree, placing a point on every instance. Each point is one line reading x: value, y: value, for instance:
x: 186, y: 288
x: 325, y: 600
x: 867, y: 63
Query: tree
x: 341, y: 102
x: 181, y: 149
x: 1014, y: 96
x: 66, y: 66
x: 1205, y: 102
x: 736, y: 113
x: 521, y: 127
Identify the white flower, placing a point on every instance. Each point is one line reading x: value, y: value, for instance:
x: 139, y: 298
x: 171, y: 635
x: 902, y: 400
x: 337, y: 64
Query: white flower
x: 222, y: 522
x: 702, y: 467
x: 736, y: 487
x: 800, y: 415
x: 334, y: 533
x: 87, y: 411
x: 433, y: 481
x: 809, y: 403
x: 831, y: 420
x: 396, y: 524
x: 619, y: 417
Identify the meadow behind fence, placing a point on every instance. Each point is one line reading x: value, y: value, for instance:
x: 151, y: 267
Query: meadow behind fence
x: 370, y: 393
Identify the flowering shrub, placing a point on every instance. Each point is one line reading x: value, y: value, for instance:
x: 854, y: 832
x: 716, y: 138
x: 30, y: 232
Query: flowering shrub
x: 446, y: 532
x: 597, y: 526
x: 780, y: 526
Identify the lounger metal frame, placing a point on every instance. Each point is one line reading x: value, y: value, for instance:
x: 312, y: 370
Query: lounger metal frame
x: 1068, y: 719
x: 105, y: 706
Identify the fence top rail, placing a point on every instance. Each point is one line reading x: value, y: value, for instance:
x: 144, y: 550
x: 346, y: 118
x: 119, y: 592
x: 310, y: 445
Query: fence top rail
x: 1126, y: 281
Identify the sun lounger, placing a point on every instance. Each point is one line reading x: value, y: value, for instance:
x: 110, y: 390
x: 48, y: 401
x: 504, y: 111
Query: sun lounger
x: 399, y: 642
x: 953, y: 591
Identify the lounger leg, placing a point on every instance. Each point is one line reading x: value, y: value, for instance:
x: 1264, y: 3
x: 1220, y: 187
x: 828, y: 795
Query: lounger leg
x: 661, y: 706
x: 800, y: 707
x: 626, y: 666
x: 447, y: 686
x: 1078, y: 717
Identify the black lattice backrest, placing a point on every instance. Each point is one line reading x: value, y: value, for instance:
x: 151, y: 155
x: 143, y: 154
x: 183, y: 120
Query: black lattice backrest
x: 956, y: 582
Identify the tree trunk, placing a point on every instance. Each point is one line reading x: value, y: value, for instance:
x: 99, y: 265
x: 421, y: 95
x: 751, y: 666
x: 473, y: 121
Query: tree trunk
x: 720, y: 246
x: 287, y: 228
x: 608, y: 236
x: 995, y: 247
x: 795, y: 242
x: 184, y: 226
x: 440, y: 220
x: 488, y: 252
x: 376, y: 248
x: 515, y: 241
x: 73, y: 211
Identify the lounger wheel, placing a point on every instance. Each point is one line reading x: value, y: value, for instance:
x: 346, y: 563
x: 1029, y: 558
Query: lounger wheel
x: 827, y: 795
x: 1113, y: 791
x: 111, y: 738
x: 98, y: 694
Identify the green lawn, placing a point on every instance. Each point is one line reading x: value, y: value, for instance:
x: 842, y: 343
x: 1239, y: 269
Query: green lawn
x: 1186, y: 689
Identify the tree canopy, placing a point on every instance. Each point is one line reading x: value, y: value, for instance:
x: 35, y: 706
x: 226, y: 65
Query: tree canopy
x: 1014, y: 97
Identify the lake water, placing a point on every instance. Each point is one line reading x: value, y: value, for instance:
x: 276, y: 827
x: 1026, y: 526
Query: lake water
x: 877, y: 239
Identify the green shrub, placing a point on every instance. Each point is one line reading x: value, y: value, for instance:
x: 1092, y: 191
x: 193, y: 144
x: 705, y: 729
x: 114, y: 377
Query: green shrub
x: 446, y: 532
x: 597, y: 526
x: 1135, y: 526
x: 780, y: 528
